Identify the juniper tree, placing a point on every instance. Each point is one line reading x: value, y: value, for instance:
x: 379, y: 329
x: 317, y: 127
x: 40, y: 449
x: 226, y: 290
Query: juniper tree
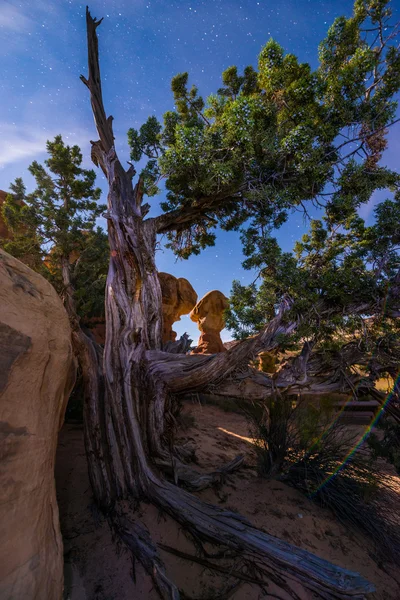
x: 54, y: 229
x: 275, y: 138
x: 343, y: 280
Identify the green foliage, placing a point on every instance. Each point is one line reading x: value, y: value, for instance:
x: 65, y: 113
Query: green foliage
x: 273, y: 138
x: 90, y: 273
x: 341, y: 273
x: 21, y: 221
x: 146, y: 142
x: 57, y: 221
x: 287, y: 427
x: 387, y: 445
x: 299, y: 441
x: 244, y: 315
x: 353, y: 489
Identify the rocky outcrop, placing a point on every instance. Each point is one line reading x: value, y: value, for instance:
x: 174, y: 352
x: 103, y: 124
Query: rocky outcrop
x: 37, y: 372
x: 178, y: 298
x: 209, y: 316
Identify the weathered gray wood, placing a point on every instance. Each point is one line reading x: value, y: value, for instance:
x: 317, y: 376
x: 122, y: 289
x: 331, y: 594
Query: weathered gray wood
x: 137, y: 538
x: 195, y: 480
x: 216, y: 525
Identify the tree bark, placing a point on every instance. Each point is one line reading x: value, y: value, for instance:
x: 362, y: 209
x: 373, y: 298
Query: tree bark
x: 126, y: 427
x: 89, y: 357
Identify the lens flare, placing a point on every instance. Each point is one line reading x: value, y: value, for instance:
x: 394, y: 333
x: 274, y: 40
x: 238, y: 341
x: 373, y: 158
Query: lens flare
x: 361, y: 440
x: 367, y: 431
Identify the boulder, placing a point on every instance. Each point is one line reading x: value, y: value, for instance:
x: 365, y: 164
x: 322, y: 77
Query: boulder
x: 178, y: 298
x: 209, y: 316
x: 37, y: 373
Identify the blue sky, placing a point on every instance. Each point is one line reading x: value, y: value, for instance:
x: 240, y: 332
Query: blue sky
x: 143, y: 44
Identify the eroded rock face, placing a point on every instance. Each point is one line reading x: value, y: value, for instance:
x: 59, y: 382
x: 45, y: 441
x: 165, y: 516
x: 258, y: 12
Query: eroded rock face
x: 209, y: 316
x: 37, y: 373
x: 178, y: 298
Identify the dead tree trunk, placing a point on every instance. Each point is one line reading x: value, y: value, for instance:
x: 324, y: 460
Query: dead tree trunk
x: 127, y: 426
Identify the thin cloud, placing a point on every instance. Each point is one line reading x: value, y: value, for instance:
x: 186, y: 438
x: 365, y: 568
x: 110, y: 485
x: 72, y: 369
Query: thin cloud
x: 366, y: 210
x: 12, y: 18
x: 19, y: 143
x: 23, y: 143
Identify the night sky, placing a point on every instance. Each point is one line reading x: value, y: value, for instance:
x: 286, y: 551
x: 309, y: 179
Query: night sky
x: 143, y: 44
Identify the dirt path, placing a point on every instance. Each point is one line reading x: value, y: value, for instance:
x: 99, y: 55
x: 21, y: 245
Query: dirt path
x: 97, y: 569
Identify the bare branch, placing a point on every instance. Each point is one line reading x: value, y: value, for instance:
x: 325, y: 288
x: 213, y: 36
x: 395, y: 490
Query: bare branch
x: 93, y: 83
x: 214, y: 368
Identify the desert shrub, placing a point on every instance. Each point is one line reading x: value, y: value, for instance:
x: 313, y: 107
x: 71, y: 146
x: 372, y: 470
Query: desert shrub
x: 272, y: 432
x: 303, y: 444
x: 284, y: 427
x: 387, y: 445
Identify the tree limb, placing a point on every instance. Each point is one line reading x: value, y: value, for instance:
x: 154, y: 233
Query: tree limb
x: 185, y: 374
x: 93, y: 83
x: 185, y: 216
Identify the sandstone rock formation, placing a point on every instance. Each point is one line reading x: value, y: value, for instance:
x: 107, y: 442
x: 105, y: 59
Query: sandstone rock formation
x: 178, y: 298
x: 37, y: 373
x: 267, y: 362
x: 209, y: 316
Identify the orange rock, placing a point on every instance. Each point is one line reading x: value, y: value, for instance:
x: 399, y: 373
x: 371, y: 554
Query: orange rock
x: 178, y: 298
x: 209, y: 316
x: 268, y: 362
x: 37, y: 372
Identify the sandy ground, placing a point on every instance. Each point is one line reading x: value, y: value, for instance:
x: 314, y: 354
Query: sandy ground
x: 98, y: 568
